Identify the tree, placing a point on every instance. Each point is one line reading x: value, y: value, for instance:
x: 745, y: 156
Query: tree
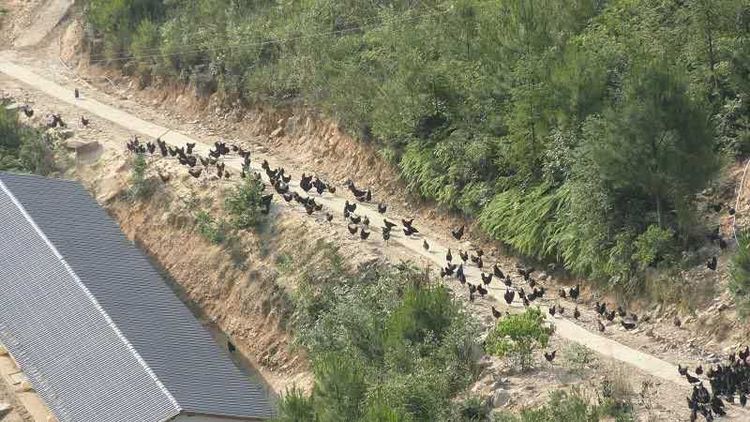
x: 655, y: 143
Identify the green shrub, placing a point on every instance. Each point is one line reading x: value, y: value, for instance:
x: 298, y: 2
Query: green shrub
x: 295, y: 406
x: 739, y: 270
x: 140, y: 186
x: 36, y: 156
x: 22, y: 148
x: 653, y: 246
x: 518, y: 336
x: 577, y: 358
x: 243, y: 204
x: 385, y: 344
x: 473, y: 409
x: 570, y: 406
x: 209, y: 228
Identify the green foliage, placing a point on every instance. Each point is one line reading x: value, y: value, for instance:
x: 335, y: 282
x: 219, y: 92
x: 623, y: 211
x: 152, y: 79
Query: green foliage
x: 739, y: 270
x: 577, y: 358
x: 565, y: 406
x: 140, y: 186
x: 37, y: 156
x: 385, y: 345
x: 518, y: 336
x: 572, y: 129
x: 294, y: 406
x: 209, y: 228
x: 243, y: 204
x: 22, y: 149
x: 653, y: 246
x: 473, y: 409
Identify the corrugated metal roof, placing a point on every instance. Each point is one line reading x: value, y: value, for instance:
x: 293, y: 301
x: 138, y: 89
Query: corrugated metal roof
x: 181, y: 353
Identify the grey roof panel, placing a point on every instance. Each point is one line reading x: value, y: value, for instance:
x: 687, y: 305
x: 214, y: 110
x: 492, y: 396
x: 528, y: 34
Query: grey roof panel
x: 181, y: 352
x: 70, y: 338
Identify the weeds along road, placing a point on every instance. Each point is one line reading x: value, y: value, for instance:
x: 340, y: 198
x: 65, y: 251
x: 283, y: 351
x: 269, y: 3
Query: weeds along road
x: 565, y: 328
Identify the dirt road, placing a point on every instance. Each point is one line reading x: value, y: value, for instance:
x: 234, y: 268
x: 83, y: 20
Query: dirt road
x: 335, y: 203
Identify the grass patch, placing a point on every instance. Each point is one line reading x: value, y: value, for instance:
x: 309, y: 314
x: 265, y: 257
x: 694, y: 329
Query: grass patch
x: 573, y: 406
x: 209, y: 228
x: 739, y: 270
x: 284, y: 263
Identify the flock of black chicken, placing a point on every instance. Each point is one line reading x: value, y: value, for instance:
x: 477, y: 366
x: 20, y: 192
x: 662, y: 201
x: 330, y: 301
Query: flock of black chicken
x: 728, y: 381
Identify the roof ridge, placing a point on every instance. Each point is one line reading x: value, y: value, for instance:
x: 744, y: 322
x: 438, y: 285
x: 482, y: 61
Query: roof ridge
x: 91, y: 297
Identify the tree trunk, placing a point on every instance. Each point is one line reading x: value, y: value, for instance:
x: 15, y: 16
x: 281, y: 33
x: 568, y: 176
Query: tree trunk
x: 658, y: 210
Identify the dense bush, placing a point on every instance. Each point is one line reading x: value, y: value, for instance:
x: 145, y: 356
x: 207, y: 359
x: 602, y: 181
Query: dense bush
x: 570, y: 128
x: 243, y: 204
x: 22, y: 149
x: 385, y: 345
x: 519, y: 336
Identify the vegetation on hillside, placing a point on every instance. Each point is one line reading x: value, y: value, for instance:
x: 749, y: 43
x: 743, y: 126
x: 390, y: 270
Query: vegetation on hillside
x: 22, y: 149
x: 739, y: 271
x: 576, y: 130
x: 244, y: 204
x: 384, y: 345
x: 519, y: 336
x: 573, y: 406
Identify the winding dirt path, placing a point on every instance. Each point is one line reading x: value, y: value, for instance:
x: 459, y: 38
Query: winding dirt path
x: 335, y: 203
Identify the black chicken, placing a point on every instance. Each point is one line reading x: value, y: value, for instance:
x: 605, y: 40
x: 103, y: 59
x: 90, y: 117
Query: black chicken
x: 711, y: 264
x: 610, y: 316
x: 575, y: 292
x: 382, y: 208
x: 628, y: 324
x: 408, y: 231
x: 486, y: 278
x: 458, y: 233
x: 495, y: 313
x: 498, y: 272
